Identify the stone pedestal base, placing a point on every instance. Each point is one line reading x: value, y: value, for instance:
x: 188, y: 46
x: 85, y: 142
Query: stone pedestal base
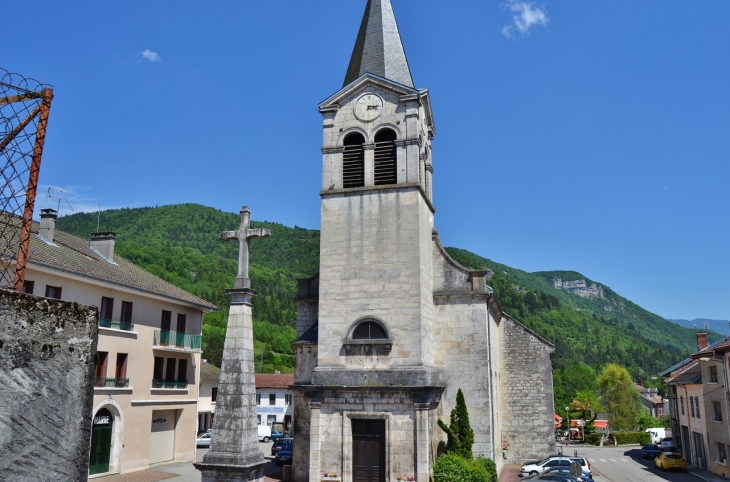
x: 232, y: 473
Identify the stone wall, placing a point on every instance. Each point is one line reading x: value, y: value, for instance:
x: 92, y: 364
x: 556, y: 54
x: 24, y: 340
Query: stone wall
x: 528, y: 431
x: 47, y: 352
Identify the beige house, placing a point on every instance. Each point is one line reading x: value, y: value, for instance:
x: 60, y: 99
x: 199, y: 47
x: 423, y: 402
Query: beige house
x: 148, y: 357
x: 207, y: 395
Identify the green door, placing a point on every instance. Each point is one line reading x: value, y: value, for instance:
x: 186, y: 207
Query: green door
x: 101, y: 443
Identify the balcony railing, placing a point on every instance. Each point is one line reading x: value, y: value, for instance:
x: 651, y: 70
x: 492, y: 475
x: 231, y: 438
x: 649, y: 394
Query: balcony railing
x: 178, y: 340
x: 156, y: 383
x: 111, y: 382
x: 117, y: 325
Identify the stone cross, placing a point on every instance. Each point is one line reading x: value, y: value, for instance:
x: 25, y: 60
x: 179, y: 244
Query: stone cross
x: 243, y: 234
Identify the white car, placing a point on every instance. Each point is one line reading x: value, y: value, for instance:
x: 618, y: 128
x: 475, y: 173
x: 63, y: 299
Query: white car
x: 203, y: 440
x: 264, y: 433
x: 550, y: 462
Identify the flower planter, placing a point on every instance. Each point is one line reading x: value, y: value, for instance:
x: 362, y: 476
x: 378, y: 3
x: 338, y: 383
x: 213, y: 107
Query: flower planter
x: 332, y: 479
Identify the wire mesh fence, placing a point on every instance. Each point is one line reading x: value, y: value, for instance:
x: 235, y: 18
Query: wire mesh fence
x: 24, y: 107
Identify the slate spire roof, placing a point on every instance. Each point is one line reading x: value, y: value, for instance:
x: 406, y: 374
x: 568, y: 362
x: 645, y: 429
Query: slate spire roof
x: 378, y: 48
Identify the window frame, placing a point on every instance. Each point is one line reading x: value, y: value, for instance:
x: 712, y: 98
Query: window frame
x: 713, y: 374
x: 258, y: 400
x: 716, y: 411
x: 28, y: 286
x: 213, y: 394
x: 55, y: 290
x: 272, y: 399
x: 126, y: 314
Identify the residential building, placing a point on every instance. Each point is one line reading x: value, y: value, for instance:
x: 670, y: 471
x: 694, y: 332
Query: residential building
x: 698, y: 405
x: 148, y: 358
x: 273, y: 398
x: 207, y: 395
x: 650, y: 398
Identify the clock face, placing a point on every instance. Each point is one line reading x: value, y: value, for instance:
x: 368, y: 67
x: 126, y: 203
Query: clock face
x: 368, y: 107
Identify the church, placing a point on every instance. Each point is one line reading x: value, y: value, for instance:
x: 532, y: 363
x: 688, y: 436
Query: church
x: 392, y: 327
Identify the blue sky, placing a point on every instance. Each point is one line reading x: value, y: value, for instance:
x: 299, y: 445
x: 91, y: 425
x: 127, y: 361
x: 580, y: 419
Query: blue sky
x: 586, y: 136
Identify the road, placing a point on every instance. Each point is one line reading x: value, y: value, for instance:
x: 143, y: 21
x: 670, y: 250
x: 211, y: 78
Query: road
x: 624, y: 464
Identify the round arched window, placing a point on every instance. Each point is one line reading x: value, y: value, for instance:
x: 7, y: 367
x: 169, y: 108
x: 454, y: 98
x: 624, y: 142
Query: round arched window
x: 369, y: 330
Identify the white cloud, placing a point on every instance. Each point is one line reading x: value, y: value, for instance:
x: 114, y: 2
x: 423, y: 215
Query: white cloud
x: 524, y: 16
x: 151, y: 56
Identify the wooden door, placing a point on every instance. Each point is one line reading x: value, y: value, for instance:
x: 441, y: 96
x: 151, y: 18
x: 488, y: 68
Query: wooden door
x: 368, y: 450
x: 101, y: 442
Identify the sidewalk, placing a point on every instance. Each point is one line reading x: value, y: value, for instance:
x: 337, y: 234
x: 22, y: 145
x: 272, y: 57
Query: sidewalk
x: 706, y: 476
x: 511, y: 473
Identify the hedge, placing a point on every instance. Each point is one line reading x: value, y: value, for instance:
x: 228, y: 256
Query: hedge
x: 452, y: 468
x: 630, y: 438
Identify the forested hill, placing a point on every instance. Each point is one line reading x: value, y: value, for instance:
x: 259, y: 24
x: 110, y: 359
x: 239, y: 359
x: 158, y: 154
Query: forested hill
x: 585, y: 320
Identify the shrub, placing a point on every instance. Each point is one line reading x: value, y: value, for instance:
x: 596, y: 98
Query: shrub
x: 490, y: 467
x: 629, y: 438
x: 452, y: 468
x: 460, y: 434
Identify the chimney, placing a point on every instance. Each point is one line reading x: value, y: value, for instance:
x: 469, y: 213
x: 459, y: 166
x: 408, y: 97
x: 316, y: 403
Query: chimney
x: 48, y: 224
x: 701, y: 340
x: 103, y: 243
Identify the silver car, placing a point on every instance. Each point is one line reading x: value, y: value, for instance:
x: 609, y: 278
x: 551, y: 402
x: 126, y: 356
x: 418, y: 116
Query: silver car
x: 203, y: 440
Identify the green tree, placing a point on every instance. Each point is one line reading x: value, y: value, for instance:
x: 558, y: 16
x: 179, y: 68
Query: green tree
x: 621, y: 399
x: 647, y: 421
x: 585, y: 406
x: 459, y: 432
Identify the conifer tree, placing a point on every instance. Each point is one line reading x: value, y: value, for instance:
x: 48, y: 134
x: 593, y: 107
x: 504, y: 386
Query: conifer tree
x: 459, y: 432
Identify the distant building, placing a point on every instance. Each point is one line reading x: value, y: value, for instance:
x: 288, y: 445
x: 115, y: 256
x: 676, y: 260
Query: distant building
x: 207, y: 395
x: 146, y: 367
x: 650, y: 398
x: 274, y: 399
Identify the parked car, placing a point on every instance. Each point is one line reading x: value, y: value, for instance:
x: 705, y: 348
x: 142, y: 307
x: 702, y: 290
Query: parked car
x: 560, y: 471
x: 284, y: 456
x: 536, y: 468
x: 264, y: 433
x: 581, y: 460
x: 276, y: 435
x: 650, y: 451
x: 203, y: 440
x: 280, y: 444
x: 667, y: 443
x: 671, y: 461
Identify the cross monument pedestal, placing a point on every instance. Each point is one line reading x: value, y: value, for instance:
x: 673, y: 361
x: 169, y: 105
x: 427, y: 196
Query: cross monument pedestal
x: 234, y: 454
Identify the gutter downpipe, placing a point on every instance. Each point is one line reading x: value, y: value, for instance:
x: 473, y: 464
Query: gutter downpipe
x: 491, y: 391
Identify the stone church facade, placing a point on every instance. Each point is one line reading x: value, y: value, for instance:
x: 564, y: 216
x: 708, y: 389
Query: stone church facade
x: 392, y: 326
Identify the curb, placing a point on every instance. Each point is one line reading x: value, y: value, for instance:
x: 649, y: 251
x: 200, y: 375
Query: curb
x: 699, y: 476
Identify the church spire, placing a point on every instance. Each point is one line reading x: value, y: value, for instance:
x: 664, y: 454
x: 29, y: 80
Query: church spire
x: 378, y: 48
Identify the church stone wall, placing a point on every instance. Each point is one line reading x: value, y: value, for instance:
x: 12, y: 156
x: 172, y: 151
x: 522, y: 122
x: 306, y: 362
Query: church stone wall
x: 463, y: 361
x: 527, y: 394
x: 47, y: 352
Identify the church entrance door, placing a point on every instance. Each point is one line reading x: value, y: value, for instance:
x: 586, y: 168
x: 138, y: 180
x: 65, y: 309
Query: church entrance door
x: 368, y: 450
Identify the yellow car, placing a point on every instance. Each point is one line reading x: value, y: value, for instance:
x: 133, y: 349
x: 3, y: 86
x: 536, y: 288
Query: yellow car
x: 670, y: 461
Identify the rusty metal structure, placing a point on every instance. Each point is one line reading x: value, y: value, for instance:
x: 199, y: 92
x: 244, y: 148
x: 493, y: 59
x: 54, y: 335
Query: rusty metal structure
x: 24, y: 108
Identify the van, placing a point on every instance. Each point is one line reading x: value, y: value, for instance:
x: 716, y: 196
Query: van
x: 264, y: 433
x: 657, y: 434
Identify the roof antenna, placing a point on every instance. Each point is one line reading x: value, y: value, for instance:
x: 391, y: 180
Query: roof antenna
x: 59, y: 198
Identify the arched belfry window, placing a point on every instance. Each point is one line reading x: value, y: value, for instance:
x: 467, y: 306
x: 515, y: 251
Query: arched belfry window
x: 385, y: 157
x: 369, y: 330
x: 353, y: 161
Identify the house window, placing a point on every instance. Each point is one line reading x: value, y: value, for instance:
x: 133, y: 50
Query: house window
x: 182, y: 371
x: 107, y: 308
x: 287, y: 399
x: 165, y: 322
x: 258, y: 419
x: 53, y: 292
x: 385, y: 166
x: 120, y: 372
x: 713, y: 374
x: 214, y: 394
x: 270, y: 419
x: 100, y: 364
x: 28, y: 287
x: 353, y: 161
x: 721, y: 453
x: 681, y: 403
x: 272, y: 398
x: 157, y: 370
x: 717, y: 411
x: 126, y: 312
x: 170, y: 371
x: 697, y: 405
x: 692, y: 405
x: 181, y: 320
x: 258, y: 402
x: 369, y: 330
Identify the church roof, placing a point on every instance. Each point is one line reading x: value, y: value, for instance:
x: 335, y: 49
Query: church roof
x: 378, y: 48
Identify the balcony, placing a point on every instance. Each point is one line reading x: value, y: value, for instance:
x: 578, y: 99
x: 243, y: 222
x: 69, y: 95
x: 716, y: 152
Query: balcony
x: 115, y: 325
x: 179, y: 384
x: 176, y: 341
x: 103, y: 382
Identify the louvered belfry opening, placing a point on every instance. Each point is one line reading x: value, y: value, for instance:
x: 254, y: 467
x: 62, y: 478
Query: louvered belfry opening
x: 385, y: 157
x: 353, y: 161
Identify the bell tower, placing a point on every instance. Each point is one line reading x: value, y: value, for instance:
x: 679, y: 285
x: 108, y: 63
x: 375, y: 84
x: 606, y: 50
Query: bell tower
x: 377, y: 218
